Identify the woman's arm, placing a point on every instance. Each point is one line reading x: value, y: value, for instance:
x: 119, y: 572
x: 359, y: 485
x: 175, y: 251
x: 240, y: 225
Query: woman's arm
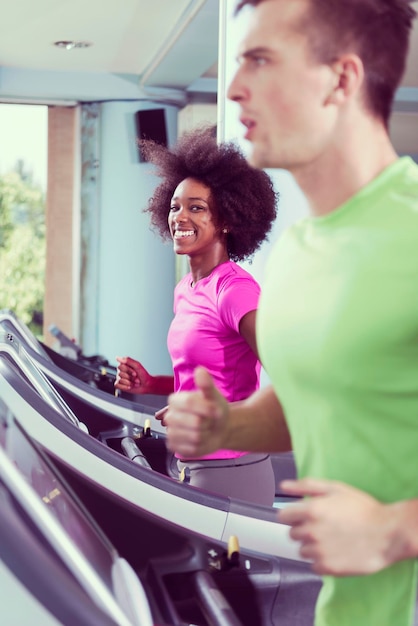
x: 247, y: 330
x: 132, y: 377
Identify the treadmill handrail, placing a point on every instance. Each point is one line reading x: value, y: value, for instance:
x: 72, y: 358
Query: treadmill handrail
x: 21, y: 330
x: 59, y: 540
x: 10, y: 345
x: 213, y: 601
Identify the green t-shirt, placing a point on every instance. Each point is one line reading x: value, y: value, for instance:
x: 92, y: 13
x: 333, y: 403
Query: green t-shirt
x: 338, y: 336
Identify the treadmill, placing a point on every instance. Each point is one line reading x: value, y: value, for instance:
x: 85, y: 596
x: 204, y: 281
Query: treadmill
x: 83, y: 553
x: 77, y: 386
x: 93, y: 465
x: 114, y: 417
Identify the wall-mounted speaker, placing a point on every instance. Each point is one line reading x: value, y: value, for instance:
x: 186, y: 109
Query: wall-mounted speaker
x: 151, y: 124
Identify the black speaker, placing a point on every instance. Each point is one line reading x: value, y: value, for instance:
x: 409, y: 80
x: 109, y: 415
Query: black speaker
x: 150, y: 124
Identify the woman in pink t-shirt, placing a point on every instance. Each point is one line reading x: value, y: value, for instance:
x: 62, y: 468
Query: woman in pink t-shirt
x: 217, y: 210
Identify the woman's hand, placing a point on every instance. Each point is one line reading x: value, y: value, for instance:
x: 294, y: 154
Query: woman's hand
x: 132, y: 376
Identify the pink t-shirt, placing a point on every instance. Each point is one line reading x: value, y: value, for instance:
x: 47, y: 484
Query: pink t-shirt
x: 205, y: 331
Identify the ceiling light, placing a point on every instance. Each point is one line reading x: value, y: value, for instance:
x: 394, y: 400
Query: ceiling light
x: 69, y: 45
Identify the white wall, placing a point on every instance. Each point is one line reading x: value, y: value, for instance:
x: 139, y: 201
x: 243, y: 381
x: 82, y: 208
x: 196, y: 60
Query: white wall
x: 193, y: 115
x: 136, y: 277
x: 292, y: 204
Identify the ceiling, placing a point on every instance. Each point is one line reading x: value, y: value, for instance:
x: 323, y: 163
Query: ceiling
x: 135, y: 45
x: 139, y: 48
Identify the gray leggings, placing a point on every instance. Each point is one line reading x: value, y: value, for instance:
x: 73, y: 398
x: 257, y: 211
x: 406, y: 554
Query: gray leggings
x: 249, y: 477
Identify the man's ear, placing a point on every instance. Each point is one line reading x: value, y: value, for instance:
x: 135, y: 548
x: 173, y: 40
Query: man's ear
x: 348, y: 78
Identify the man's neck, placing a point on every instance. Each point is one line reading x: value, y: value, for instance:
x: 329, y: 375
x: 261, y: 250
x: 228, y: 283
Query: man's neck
x: 345, y: 168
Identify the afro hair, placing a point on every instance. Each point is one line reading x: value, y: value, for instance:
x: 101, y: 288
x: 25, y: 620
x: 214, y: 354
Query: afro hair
x: 244, y: 197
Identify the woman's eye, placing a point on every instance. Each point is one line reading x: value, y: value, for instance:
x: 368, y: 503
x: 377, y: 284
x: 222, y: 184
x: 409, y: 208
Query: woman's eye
x: 173, y: 209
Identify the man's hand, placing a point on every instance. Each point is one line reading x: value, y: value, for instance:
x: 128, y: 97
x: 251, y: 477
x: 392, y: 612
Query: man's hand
x: 196, y: 421
x: 160, y: 415
x: 342, y: 530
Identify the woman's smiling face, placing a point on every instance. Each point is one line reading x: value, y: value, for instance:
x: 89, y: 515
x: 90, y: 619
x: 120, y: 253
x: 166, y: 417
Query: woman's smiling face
x: 191, y: 219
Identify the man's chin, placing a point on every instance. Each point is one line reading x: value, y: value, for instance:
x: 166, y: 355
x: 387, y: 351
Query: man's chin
x: 256, y: 158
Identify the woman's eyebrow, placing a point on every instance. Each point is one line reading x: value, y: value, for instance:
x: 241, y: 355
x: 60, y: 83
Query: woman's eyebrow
x: 191, y: 199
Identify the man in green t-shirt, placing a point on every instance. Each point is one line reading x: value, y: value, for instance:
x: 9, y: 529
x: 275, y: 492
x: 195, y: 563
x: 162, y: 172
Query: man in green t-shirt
x: 337, y: 326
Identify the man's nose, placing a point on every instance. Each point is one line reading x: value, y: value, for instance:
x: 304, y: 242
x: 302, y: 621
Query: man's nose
x: 235, y: 91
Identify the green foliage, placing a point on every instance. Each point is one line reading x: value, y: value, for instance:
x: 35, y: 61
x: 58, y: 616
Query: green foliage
x: 22, y: 246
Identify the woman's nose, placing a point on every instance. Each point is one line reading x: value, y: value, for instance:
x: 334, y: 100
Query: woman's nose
x: 180, y: 215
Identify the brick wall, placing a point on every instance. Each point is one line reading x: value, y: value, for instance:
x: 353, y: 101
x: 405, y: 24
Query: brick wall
x: 59, y: 220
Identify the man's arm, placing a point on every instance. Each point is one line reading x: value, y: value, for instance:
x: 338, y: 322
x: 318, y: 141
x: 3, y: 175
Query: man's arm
x: 346, y: 532
x: 202, y: 421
